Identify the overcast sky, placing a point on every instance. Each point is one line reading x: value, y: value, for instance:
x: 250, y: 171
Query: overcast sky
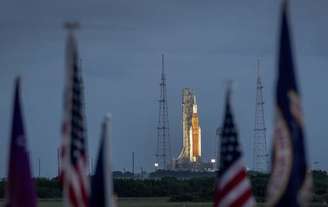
x: 120, y: 42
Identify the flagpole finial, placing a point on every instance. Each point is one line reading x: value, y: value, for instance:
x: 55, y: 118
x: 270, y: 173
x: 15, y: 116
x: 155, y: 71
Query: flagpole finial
x: 71, y: 25
x: 108, y: 117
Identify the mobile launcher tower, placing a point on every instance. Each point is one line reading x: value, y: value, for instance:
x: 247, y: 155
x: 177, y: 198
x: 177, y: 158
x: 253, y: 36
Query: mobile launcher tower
x: 191, y: 153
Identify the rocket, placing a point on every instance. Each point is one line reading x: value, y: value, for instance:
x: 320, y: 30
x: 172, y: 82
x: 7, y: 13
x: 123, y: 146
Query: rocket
x: 195, y: 135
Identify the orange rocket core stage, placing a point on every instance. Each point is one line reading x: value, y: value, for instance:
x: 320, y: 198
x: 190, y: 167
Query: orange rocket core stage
x: 195, y: 135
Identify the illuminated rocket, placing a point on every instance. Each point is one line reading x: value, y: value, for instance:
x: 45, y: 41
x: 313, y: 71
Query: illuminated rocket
x: 195, y: 135
x: 191, y: 147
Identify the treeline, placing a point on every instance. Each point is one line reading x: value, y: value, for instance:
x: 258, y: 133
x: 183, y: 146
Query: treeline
x: 46, y: 188
x: 195, y: 189
x: 180, y: 174
x: 189, y: 188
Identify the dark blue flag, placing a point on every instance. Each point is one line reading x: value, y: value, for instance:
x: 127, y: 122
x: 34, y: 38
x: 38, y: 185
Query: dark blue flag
x: 290, y: 180
x: 20, y: 189
x: 102, y: 183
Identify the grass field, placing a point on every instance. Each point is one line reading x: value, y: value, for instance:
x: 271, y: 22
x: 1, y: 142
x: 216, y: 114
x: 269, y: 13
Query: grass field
x: 130, y: 202
x: 135, y: 202
x: 141, y: 202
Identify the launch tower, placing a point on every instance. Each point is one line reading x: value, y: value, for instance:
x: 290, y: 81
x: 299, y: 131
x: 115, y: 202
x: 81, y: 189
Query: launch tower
x: 260, y: 154
x: 163, y: 152
x: 187, y: 103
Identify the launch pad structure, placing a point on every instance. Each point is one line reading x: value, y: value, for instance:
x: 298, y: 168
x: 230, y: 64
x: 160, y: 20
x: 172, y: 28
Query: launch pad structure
x: 187, y: 103
x: 190, y: 157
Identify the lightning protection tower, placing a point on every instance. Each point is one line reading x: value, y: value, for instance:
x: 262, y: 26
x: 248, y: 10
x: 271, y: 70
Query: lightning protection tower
x: 260, y: 153
x: 163, y: 153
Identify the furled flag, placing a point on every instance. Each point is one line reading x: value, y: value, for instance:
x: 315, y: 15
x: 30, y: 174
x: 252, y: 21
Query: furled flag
x: 20, y: 189
x: 232, y: 187
x: 290, y: 180
x: 102, y: 183
x: 74, y: 161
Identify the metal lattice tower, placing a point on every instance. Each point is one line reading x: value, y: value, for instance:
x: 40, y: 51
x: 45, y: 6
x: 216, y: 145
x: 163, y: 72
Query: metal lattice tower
x: 163, y: 153
x: 218, y: 149
x: 260, y: 153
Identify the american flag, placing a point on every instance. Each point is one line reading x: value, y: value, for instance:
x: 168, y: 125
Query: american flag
x: 232, y: 187
x: 74, y: 169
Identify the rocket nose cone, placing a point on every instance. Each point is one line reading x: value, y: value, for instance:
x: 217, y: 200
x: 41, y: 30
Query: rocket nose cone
x: 194, y: 108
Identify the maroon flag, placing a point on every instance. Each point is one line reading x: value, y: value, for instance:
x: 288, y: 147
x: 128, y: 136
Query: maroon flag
x: 20, y: 189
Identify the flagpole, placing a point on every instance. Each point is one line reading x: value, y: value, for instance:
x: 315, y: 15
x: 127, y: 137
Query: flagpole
x: 133, y: 164
x: 39, y: 169
x: 108, y: 153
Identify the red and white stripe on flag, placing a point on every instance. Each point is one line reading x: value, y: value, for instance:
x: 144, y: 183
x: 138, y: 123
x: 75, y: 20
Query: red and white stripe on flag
x: 74, y: 177
x: 78, y: 186
x: 233, y: 188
